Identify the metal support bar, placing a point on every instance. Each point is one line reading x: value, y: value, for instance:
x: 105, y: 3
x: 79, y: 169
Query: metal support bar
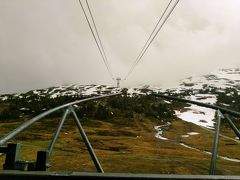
x: 215, y: 144
x: 12, y: 156
x: 12, y: 161
x: 232, y: 125
x: 87, y: 143
x: 42, y: 161
x: 61, y: 122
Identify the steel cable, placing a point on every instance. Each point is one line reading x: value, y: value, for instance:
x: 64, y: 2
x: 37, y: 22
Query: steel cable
x: 96, y: 38
x: 148, y: 43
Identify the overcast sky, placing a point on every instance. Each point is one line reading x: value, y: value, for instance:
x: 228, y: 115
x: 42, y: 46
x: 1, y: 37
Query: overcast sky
x: 48, y: 42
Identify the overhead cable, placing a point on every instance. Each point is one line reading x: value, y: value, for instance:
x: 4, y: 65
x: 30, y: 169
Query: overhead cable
x: 152, y: 37
x: 149, y: 38
x: 96, y: 37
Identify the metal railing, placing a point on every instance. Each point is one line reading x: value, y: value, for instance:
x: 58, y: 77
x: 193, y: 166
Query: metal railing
x: 222, y: 113
x: 12, y: 161
x: 41, y: 164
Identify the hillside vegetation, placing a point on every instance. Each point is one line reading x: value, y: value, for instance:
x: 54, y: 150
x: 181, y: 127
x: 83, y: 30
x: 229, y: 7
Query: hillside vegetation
x: 134, y: 132
x: 121, y: 130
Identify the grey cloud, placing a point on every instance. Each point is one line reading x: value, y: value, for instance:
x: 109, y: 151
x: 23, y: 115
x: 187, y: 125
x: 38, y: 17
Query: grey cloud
x: 45, y: 43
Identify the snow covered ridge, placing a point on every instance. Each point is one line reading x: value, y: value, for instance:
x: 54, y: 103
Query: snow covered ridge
x: 206, y: 89
x: 71, y: 90
x: 218, y: 81
x: 76, y: 90
x: 221, y: 80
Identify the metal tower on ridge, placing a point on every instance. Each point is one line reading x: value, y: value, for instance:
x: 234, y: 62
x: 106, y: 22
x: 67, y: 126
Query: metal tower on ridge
x: 118, y: 79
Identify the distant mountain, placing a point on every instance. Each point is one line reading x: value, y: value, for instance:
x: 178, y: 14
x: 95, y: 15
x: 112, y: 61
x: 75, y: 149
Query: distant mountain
x: 221, y: 88
x: 220, y: 81
x: 71, y: 90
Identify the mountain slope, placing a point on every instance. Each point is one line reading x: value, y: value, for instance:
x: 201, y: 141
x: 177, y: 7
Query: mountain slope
x: 221, y: 88
x: 142, y: 131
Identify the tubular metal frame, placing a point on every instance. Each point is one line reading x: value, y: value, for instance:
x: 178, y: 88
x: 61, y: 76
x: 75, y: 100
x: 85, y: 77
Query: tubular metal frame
x: 70, y: 110
x: 220, y: 111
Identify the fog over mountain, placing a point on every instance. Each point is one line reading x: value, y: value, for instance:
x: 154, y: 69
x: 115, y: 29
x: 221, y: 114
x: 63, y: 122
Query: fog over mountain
x: 219, y: 88
x: 48, y: 43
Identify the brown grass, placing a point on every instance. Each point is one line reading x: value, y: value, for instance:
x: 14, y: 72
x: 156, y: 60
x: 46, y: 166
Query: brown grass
x: 127, y: 145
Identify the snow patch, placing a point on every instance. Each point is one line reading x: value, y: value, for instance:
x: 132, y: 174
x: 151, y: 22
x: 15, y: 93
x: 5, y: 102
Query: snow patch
x: 185, y: 136
x: 90, y: 91
x: 4, y: 98
x: 198, y: 115
x: 54, y: 95
x: 133, y: 91
x: 209, y: 153
x: 192, y: 133
x: 159, y: 130
x: 24, y: 109
x: 168, y: 102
